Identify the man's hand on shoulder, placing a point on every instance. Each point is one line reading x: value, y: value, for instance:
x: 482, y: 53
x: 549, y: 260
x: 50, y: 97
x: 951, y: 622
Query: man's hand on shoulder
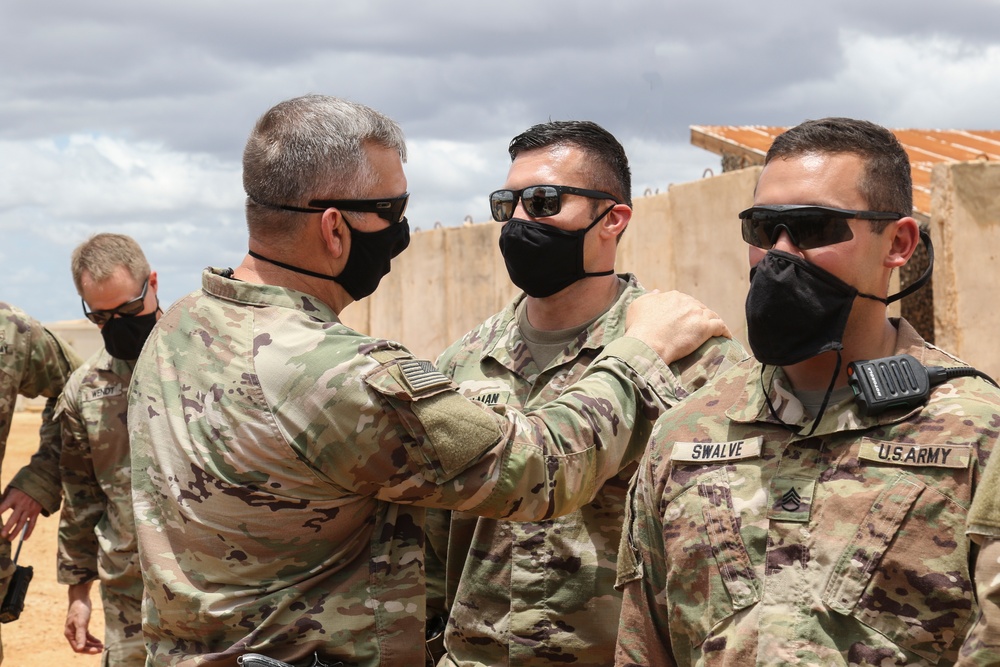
x: 672, y: 323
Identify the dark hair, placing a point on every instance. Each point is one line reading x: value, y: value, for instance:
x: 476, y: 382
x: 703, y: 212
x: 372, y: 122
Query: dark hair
x: 609, y: 168
x: 885, y: 183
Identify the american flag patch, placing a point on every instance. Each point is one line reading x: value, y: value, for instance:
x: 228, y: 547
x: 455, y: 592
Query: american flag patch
x: 422, y: 375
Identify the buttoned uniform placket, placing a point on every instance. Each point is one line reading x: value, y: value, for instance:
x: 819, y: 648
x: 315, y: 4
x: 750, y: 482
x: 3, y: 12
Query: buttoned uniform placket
x: 530, y: 570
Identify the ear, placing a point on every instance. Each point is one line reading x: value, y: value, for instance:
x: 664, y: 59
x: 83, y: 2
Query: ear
x: 154, y: 282
x: 335, y: 234
x: 905, y: 236
x: 615, y: 222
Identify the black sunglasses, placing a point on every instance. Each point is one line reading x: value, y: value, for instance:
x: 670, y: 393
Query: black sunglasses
x: 540, y: 201
x: 130, y: 308
x: 807, y: 226
x: 390, y: 209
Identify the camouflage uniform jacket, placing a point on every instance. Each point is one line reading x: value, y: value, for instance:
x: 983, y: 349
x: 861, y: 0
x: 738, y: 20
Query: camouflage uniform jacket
x: 542, y: 593
x: 33, y: 362
x: 747, y: 544
x: 279, y: 460
x: 97, y: 526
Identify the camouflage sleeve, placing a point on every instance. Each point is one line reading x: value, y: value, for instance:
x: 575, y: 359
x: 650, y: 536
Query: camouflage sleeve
x: 459, y: 454
x: 50, y: 364
x: 643, y: 636
x: 76, y: 560
x: 982, y: 644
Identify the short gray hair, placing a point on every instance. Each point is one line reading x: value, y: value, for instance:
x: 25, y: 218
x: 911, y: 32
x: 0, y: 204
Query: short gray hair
x: 102, y: 254
x: 311, y: 147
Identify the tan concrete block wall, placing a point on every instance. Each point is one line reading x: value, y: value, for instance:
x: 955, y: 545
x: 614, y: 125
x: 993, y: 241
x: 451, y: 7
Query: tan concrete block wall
x: 965, y: 229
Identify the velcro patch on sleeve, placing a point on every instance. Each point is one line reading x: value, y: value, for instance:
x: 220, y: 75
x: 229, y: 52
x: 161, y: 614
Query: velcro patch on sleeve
x: 932, y: 456
x: 715, y: 452
x: 458, y: 429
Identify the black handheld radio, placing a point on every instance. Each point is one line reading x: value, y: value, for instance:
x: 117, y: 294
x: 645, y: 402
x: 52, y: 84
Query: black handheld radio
x: 899, y: 382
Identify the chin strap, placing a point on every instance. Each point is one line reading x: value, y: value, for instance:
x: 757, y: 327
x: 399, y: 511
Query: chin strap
x: 822, y: 407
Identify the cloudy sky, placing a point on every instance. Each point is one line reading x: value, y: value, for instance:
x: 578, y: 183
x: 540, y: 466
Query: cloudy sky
x: 131, y: 117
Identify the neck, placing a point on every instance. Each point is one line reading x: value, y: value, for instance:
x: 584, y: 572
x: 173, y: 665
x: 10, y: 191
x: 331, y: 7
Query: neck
x: 580, y: 302
x: 261, y: 272
x: 860, y: 343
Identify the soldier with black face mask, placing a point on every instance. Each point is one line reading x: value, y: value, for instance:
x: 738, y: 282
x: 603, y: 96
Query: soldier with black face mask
x: 118, y: 293
x: 518, y: 593
x: 775, y: 519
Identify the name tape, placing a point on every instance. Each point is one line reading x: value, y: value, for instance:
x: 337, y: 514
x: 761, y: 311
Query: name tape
x: 712, y: 452
x: 935, y: 456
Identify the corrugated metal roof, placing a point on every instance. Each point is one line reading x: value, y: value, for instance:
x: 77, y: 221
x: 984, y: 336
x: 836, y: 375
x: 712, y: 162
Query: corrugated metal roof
x: 747, y: 145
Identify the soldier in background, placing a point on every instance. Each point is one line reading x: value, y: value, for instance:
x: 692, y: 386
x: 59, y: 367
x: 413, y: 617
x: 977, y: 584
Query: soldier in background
x: 774, y: 520
x: 33, y: 362
x: 542, y: 593
x: 281, y: 460
x: 118, y: 290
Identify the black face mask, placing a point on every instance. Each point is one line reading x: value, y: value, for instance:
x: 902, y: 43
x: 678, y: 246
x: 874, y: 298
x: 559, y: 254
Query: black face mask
x: 125, y: 336
x: 796, y: 310
x: 542, y: 259
x: 369, y: 260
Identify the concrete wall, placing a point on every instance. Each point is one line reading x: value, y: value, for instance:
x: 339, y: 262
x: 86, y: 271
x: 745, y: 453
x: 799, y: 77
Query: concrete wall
x: 965, y: 229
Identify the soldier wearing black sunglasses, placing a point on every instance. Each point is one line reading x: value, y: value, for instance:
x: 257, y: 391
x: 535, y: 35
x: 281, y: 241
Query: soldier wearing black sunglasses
x: 118, y: 290
x: 565, y: 205
x: 774, y: 518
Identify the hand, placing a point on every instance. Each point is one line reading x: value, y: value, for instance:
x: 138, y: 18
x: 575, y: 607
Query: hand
x: 672, y: 323
x: 24, y: 511
x: 78, y: 619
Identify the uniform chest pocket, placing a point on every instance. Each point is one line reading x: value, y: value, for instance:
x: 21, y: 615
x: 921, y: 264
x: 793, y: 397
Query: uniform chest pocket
x: 709, y: 572
x: 905, y: 573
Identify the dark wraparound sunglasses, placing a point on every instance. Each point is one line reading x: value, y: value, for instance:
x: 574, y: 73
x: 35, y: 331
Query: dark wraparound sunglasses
x: 130, y: 308
x: 540, y: 201
x: 390, y: 209
x: 807, y: 226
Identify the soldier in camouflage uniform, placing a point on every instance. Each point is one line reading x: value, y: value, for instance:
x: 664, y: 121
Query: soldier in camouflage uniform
x: 772, y: 520
x: 96, y: 526
x: 33, y: 362
x: 542, y: 593
x: 281, y: 460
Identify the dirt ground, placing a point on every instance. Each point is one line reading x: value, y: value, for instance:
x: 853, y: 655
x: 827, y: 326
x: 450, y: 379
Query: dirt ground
x: 36, y: 638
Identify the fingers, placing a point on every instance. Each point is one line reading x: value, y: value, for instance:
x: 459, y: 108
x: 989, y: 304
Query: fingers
x: 673, y: 324
x: 76, y: 633
x: 24, y: 510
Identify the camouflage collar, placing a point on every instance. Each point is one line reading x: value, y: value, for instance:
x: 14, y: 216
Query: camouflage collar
x: 750, y: 405
x: 105, y: 362
x: 213, y: 282
x: 503, y: 341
